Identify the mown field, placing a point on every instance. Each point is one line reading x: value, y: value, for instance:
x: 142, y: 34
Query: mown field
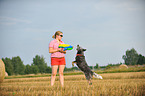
x: 113, y: 84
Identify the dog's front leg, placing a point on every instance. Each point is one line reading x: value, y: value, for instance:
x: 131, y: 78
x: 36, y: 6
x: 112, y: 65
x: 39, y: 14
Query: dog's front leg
x: 73, y: 62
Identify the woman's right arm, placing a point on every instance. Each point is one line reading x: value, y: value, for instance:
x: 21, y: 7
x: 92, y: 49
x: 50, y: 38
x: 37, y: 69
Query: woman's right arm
x: 51, y: 50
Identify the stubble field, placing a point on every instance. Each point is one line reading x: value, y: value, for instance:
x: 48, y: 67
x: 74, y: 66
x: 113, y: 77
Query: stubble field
x: 113, y: 84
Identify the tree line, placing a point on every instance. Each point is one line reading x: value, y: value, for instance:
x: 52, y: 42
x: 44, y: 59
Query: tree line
x: 131, y: 57
x: 15, y: 65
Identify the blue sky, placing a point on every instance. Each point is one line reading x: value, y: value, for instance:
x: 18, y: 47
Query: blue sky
x: 106, y: 28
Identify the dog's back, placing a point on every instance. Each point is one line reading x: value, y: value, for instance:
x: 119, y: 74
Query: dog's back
x: 82, y: 64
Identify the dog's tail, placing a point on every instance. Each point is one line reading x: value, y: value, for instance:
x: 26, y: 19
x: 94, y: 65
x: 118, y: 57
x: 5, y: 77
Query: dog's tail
x: 97, y: 76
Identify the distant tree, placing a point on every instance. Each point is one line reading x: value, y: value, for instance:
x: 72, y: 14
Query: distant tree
x: 28, y: 69
x: 97, y: 66
x: 75, y: 68
x: 19, y: 67
x: 48, y: 69
x: 8, y: 66
x: 102, y: 67
x: 131, y: 57
x: 109, y: 66
x: 66, y: 69
x: 141, y: 60
x: 40, y: 63
x: 35, y: 69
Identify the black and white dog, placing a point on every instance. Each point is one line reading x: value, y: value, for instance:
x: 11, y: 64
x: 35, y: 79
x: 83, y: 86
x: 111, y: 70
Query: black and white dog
x: 82, y: 64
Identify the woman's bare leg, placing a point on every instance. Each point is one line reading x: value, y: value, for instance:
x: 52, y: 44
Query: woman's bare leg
x: 54, y: 72
x: 61, y: 78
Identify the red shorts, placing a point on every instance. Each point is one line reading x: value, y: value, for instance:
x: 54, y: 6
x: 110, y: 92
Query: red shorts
x: 57, y: 61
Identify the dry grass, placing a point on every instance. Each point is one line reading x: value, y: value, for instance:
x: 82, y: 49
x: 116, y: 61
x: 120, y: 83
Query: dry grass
x: 113, y: 84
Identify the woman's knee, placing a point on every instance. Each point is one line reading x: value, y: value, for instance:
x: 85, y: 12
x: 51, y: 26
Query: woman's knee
x: 61, y: 73
x: 53, y: 74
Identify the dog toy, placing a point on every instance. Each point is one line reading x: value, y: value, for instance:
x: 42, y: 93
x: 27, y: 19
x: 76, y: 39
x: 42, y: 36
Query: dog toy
x: 65, y: 46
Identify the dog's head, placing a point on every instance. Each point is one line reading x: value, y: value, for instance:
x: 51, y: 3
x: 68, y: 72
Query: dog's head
x: 80, y: 50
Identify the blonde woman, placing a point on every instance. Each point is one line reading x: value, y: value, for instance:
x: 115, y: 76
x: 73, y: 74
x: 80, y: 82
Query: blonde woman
x: 57, y: 57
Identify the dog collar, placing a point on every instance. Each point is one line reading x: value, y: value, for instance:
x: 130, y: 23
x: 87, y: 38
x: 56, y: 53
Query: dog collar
x: 79, y: 55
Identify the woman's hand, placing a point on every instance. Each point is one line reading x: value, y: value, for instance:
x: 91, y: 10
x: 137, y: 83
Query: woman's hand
x: 61, y: 50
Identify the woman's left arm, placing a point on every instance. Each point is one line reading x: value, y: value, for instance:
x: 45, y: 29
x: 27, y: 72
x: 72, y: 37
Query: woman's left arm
x: 62, y: 51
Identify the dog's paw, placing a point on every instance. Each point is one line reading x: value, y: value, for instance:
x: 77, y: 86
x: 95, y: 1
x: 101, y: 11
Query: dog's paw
x: 97, y: 76
x: 73, y: 63
x: 100, y: 77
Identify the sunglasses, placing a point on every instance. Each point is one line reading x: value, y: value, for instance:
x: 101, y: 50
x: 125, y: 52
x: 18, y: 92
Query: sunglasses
x: 61, y: 35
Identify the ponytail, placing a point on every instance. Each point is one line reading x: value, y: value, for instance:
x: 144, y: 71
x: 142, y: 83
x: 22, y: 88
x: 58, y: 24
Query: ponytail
x: 53, y: 36
x: 56, y: 33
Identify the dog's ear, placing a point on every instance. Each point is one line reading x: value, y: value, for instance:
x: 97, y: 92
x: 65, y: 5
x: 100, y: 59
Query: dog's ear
x: 84, y: 49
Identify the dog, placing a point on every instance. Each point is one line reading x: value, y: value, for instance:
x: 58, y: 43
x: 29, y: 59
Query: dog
x: 82, y: 64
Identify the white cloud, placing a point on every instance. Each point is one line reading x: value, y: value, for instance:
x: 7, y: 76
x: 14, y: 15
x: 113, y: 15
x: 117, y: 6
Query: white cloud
x: 12, y: 21
x: 36, y: 30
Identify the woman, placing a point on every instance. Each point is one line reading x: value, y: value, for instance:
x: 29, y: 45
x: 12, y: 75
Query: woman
x: 57, y: 57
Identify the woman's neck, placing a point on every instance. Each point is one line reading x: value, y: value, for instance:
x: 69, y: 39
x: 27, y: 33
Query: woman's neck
x: 58, y: 40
